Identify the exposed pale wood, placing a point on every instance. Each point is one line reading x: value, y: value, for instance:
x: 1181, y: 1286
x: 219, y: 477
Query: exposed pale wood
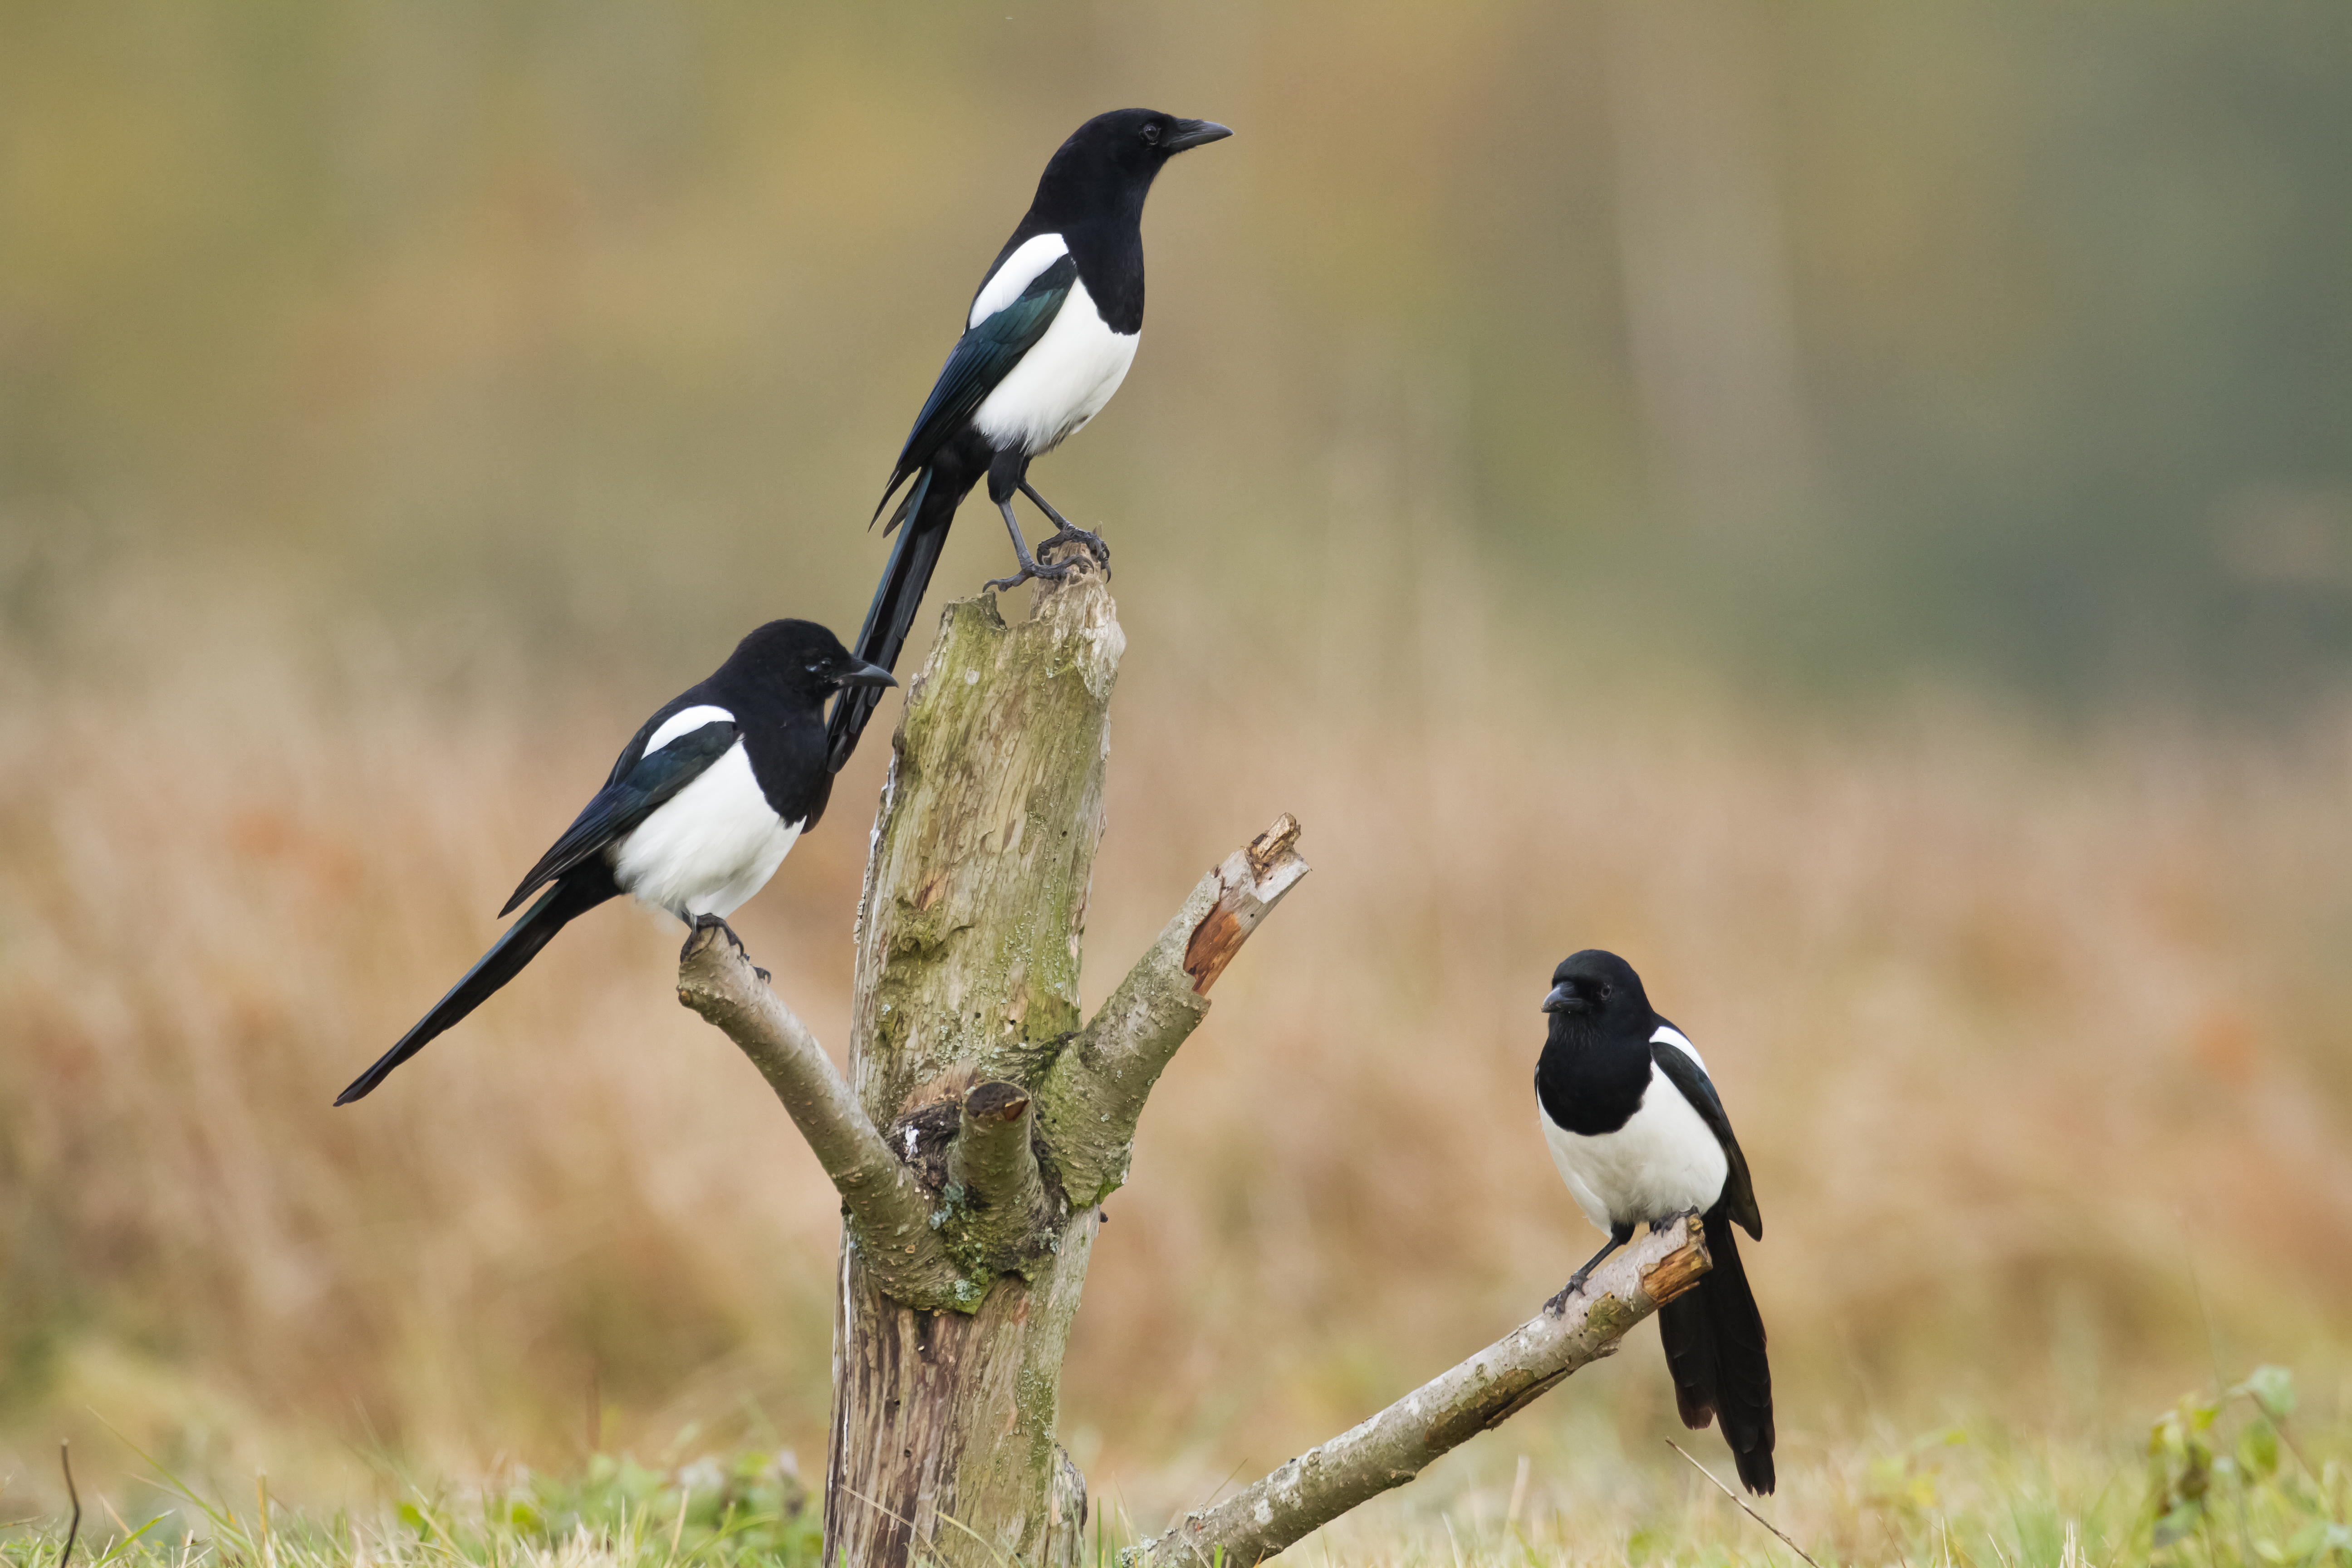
x: 1398, y: 1443
x: 1269, y: 865
x: 887, y: 1210
x: 1065, y: 1525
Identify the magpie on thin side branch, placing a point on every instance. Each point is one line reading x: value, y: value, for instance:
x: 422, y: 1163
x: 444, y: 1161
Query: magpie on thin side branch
x: 701, y: 807
x: 1640, y: 1137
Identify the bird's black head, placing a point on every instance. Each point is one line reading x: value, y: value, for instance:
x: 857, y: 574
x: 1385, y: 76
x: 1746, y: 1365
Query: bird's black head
x: 1109, y: 162
x: 804, y: 658
x: 1596, y: 988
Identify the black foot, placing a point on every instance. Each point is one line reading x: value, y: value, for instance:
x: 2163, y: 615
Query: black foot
x: 765, y: 978
x: 1669, y: 1223
x: 1094, y: 543
x: 1049, y: 572
x: 1575, y: 1287
x: 1619, y: 1235
x: 704, y: 922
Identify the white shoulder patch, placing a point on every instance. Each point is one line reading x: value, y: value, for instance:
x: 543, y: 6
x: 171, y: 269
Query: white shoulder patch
x: 685, y: 721
x: 1668, y: 1035
x: 1020, y: 271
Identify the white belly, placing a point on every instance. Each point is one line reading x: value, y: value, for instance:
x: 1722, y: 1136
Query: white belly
x: 1061, y: 383
x: 708, y: 848
x: 1664, y: 1159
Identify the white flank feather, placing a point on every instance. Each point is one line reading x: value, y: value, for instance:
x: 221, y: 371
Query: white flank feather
x: 1664, y: 1159
x: 708, y: 848
x: 1061, y: 383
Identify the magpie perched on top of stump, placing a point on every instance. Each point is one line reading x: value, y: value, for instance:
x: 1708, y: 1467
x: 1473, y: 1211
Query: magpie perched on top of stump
x: 1048, y: 338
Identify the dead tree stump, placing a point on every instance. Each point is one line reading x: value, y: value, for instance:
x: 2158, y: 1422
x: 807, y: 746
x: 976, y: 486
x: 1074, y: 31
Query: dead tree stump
x: 982, y: 1125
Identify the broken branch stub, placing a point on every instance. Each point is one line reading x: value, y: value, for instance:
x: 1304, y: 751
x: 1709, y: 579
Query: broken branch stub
x: 994, y: 1187
x: 1393, y: 1446
x: 1091, y: 1100
x: 1251, y: 881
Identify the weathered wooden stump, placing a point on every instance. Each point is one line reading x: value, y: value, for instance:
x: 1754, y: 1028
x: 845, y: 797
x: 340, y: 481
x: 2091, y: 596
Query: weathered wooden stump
x: 982, y: 1125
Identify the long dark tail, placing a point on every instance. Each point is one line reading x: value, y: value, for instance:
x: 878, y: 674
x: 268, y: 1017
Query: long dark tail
x: 1715, y: 1348
x: 572, y: 896
x: 931, y: 506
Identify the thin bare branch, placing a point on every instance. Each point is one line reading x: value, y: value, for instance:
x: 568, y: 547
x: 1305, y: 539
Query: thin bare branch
x: 1399, y: 1443
x: 65, y: 1460
x: 889, y: 1212
x: 1094, y: 1097
x: 1742, y: 1502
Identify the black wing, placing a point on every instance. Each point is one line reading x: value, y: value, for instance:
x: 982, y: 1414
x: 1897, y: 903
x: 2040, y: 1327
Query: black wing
x: 984, y: 356
x: 640, y: 782
x: 1687, y: 1075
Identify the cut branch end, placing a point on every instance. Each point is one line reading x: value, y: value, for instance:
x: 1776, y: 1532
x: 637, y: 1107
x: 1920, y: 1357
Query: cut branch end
x: 1252, y: 881
x: 1003, y: 1212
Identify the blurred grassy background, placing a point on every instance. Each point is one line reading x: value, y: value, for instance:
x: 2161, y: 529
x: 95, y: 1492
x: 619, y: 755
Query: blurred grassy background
x: 1849, y: 506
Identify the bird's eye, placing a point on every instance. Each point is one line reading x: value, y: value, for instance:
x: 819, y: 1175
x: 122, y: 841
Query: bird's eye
x: 1607, y: 990
x: 1151, y: 135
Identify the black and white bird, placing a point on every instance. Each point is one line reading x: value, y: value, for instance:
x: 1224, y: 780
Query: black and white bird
x: 1047, y: 340
x: 702, y: 806
x: 1640, y: 1137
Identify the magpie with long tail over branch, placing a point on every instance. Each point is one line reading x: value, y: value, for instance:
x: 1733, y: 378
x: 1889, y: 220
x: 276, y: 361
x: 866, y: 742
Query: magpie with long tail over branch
x: 1048, y: 338
x: 1640, y: 1137
x: 701, y: 807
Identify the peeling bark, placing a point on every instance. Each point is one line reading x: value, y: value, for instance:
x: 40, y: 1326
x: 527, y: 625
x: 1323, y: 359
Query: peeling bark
x: 1393, y: 1446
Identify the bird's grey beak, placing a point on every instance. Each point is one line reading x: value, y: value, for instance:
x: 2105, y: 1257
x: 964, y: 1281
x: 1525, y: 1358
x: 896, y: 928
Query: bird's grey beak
x: 1195, y: 133
x: 858, y: 672
x: 1563, y: 999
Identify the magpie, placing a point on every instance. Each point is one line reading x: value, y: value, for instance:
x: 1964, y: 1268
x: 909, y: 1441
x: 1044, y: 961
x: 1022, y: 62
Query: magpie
x: 701, y: 807
x: 1639, y: 1136
x: 1047, y: 340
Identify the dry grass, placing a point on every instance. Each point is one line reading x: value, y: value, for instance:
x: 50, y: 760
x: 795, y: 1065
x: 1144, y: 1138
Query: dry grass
x: 2262, y: 1484
x: 2014, y: 1025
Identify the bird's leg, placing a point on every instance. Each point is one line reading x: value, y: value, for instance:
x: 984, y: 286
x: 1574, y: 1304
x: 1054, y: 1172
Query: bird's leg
x: 1029, y: 566
x: 701, y: 924
x: 697, y: 924
x: 1071, y: 534
x: 1619, y: 1235
x: 1671, y: 1221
